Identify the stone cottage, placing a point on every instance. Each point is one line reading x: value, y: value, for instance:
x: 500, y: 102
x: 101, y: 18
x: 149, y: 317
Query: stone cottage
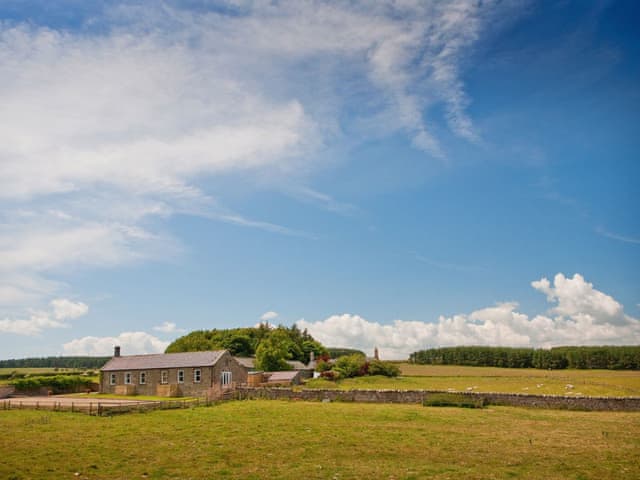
x: 171, y: 374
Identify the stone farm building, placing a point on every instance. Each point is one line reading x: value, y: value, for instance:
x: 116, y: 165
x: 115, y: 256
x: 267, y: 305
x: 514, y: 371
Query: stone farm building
x: 171, y: 374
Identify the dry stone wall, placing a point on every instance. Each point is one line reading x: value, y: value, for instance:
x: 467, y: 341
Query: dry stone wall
x: 5, y: 391
x: 419, y: 396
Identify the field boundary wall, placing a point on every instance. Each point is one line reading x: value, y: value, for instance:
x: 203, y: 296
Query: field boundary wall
x: 420, y: 396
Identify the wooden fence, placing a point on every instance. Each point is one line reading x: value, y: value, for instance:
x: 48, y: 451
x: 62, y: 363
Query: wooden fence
x: 100, y: 408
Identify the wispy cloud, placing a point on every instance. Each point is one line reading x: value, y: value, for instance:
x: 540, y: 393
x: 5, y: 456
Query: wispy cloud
x: 107, y: 135
x: 615, y: 236
x: 168, y: 327
x: 61, y: 310
x: 324, y: 201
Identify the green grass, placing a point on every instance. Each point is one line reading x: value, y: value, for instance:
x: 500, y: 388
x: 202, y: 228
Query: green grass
x: 508, y: 380
x: 293, y: 440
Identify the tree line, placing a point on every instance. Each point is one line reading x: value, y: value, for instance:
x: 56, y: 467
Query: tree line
x: 602, y: 357
x: 55, y: 362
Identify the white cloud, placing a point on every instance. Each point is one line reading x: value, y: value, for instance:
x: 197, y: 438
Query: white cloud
x: 576, y: 297
x: 131, y: 343
x: 168, y: 327
x: 267, y: 316
x: 584, y: 316
x: 66, y: 309
x: 115, y: 132
x: 61, y: 310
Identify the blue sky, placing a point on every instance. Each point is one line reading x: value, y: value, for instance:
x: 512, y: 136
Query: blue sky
x: 400, y: 175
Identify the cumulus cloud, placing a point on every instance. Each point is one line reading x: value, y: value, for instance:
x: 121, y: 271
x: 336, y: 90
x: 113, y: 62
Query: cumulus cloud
x: 576, y: 297
x: 131, y: 343
x: 583, y: 316
x: 168, y: 327
x: 61, y: 309
x: 267, y: 316
x: 105, y: 135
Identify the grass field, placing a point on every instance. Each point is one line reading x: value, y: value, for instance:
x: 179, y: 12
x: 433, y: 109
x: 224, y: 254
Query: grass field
x: 294, y: 440
x: 620, y: 383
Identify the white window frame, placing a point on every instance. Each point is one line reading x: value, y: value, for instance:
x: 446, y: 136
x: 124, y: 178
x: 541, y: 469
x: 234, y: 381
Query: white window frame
x: 127, y: 378
x: 197, y: 375
x: 225, y: 378
x: 143, y: 378
x: 112, y: 378
x: 180, y: 376
x: 164, y: 377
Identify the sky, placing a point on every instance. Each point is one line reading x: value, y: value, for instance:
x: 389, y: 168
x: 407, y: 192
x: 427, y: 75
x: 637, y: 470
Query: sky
x: 399, y: 174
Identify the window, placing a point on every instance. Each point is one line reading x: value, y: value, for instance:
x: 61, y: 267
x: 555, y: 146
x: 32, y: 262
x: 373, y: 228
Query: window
x: 180, y: 376
x: 112, y: 379
x: 164, y: 376
x: 197, y: 375
x: 143, y: 378
x: 127, y: 378
x: 226, y: 378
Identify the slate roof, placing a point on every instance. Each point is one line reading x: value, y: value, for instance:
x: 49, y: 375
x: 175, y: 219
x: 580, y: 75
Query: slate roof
x: 250, y: 363
x: 285, y: 376
x: 164, y: 360
x: 246, y: 362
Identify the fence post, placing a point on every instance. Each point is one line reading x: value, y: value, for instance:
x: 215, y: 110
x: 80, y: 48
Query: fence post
x: 99, y: 409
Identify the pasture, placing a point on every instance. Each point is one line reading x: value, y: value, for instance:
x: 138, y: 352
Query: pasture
x: 293, y: 440
x: 616, y: 383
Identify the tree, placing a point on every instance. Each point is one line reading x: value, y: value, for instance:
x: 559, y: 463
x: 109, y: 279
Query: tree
x: 273, y: 352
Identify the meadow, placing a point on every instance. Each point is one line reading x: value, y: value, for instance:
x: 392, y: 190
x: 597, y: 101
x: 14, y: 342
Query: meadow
x: 617, y: 383
x: 293, y: 440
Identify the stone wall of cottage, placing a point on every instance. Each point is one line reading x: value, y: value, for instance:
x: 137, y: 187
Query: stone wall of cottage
x: 210, y: 376
x: 419, y: 396
x: 228, y: 363
x: 154, y: 378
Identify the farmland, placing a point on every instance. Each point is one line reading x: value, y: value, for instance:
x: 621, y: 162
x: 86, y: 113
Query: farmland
x: 505, y: 380
x: 292, y: 440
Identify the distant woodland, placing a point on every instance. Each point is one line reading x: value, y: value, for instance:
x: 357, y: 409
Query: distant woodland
x: 605, y: 357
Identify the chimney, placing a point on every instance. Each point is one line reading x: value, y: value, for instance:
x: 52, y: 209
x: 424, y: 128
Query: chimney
x: 116, y: 351
x: 375, y: 354
x: 312, y: 357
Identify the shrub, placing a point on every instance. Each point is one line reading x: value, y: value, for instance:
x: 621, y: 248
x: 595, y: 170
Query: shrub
x: 58, y: 383
x: 330, y: 375
x: 379, y: 367
x: 350, y: 365
x: 323, y: 366
x: 453, y: 400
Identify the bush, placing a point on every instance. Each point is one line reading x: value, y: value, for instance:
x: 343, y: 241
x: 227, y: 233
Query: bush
x: 350, y: 365
x: 330, y: 375
x: 379, y: 367
x: 453, y: 400
x: 58, y: 383
x: 323, y: 366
